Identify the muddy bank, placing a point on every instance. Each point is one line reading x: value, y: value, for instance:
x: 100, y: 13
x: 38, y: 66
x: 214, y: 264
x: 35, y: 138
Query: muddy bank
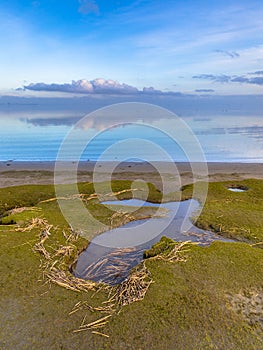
x: 14, y: 173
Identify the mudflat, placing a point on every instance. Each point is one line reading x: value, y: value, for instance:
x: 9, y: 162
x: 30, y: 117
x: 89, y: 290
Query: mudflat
x: 14, y: 173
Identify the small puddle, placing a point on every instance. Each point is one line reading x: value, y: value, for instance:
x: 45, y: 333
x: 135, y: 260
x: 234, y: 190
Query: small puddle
x: 235, y: 189
x: 101, y: 262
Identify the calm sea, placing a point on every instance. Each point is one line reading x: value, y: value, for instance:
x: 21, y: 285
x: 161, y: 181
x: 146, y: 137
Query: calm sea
x: 37, y: 136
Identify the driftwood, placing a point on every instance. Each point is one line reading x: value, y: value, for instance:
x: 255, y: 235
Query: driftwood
x: 61, y: 278
x: 36, y: 223
x: 133, y: 288
x: 38, y: 247
x: 101, y: 322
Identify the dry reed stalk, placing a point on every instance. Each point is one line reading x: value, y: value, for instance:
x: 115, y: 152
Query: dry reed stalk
x: 44, y: 235
x: 84, y: 305
x: 120, y: 192
x: 256, y: 244
x: 102, y: 334
x: 89, y: 197
x: 73, y: 235
x: 74, y: 196
x: 36, y: 223
x: 111, y: 267
x: 22, y: 209
x: 99, y: 323
x: 59, y: 277
x: 124, y: 216
x: 134, y: 288
x: 64, y: 251
x: 175, y: 253
x: 38, y: 247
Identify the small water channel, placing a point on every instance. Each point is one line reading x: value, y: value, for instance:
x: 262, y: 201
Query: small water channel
x: 111, y: 255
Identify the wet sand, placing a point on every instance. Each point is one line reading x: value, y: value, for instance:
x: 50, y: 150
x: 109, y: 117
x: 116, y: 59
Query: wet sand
x: 14, y: 173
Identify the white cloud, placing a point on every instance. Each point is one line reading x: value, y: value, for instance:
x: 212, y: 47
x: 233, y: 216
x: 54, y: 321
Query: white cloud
x: 96, y: 86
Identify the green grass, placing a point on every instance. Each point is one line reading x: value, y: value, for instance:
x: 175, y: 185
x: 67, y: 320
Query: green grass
x: 23, y: 196
x: 33, y: 315
x: 231, y: 214
x: 28, y: 307
x: 165, y: 245
x: 187, y: 306
x: 30, y: 195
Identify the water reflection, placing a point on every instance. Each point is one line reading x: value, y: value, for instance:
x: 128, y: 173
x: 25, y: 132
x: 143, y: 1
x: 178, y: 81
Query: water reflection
x: 33, y: 129
x: 112, y: 265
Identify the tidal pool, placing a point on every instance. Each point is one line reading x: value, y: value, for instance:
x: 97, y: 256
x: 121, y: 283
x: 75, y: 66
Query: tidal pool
x: 111, y: 255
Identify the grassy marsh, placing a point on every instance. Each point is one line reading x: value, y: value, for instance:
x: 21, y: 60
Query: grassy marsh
x: 187, y: 307
x: 233, y: 214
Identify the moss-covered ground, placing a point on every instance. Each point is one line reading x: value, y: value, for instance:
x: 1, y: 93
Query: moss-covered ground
x: 236, y: 215
x: 187, y: 307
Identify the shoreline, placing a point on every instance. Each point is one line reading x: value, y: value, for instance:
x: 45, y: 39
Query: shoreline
x: 13, y: 173
x: 89, y: 165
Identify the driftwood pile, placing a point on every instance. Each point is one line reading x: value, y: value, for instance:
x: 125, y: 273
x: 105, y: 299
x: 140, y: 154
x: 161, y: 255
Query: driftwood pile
x: 177, y: 254
x: 63, y: 279
x: 135, y: 287
x: 38, y: 223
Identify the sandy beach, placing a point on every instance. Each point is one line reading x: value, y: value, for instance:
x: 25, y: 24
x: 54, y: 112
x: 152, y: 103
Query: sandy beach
x: 14, y: 173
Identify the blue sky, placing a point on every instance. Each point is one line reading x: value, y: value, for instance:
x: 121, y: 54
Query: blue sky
x: 191, y: 47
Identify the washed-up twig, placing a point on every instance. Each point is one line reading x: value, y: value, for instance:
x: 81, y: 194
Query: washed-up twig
x: 134, y: 287
x: 99, y: 333
x: 36, y: 223
x: 86, y: 197
x: 38, y: 247
x: 22, y: 209
x: 175, y: 253
x: 84, y: 305
x: 93, y: 325
x: 68, y: 281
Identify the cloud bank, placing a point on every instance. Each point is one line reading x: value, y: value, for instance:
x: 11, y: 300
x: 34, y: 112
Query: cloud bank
x: 243, y: 79
x: 96, y: 86
x: 258, y: 72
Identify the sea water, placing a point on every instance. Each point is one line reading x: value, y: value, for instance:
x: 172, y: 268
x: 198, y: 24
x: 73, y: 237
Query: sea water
x: 231, y: 139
